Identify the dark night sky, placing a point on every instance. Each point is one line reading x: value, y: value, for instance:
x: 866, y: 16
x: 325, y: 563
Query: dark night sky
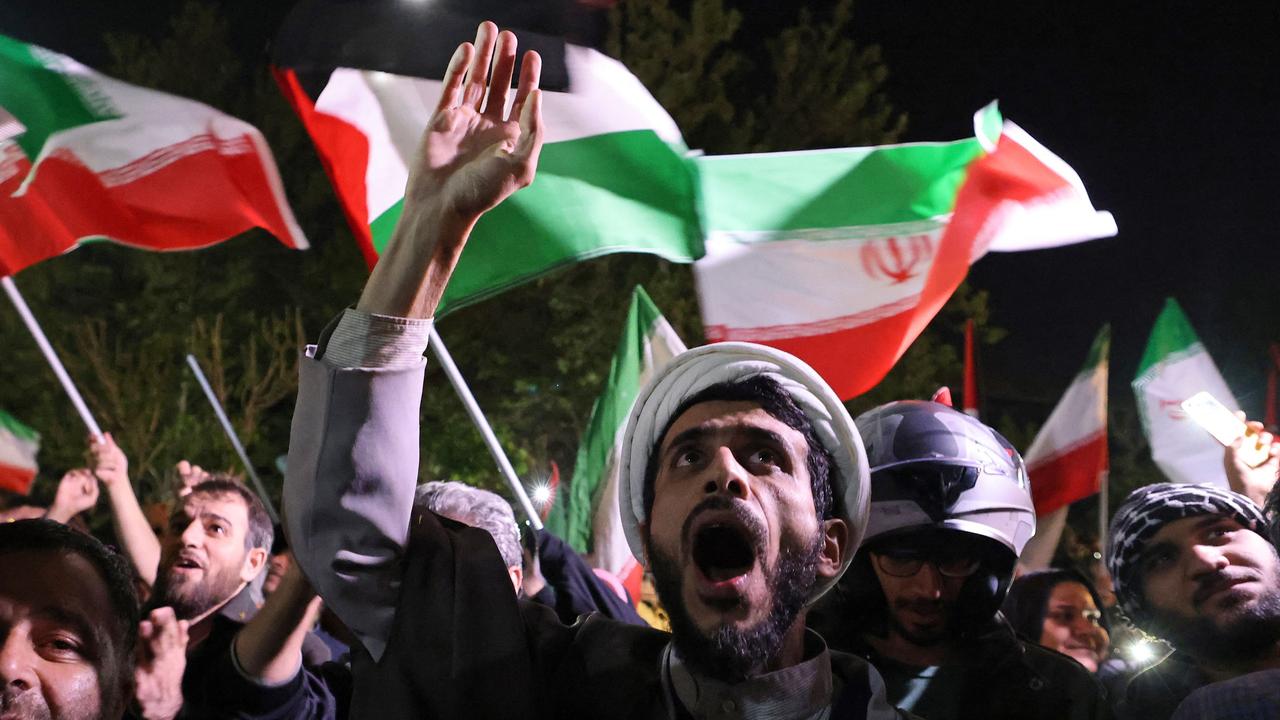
x: 1167, y: 110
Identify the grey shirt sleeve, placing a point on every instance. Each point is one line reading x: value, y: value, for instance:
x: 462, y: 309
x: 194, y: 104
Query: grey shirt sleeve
x: 353, y: 466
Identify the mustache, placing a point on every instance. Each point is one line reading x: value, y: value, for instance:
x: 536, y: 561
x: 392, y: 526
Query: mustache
x: 1208, y: 585
x: 919, y: 605
x: 716, y: 503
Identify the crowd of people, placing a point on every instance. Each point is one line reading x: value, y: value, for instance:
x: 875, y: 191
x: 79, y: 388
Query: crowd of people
x: 807, y: 564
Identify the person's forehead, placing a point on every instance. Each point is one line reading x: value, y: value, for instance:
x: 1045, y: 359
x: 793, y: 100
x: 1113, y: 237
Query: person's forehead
x: 1070, y: 591
x: 54, y: 584
x: 728, y: 417
x: 225, y: 505
x: 1184, y: 529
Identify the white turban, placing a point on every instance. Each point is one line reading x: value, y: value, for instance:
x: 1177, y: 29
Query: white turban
x: 695, y: 370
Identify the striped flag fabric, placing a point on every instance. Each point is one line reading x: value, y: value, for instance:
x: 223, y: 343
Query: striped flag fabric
x: 842, y: 257
x: 1175, y: 366
x: 98, y: 158
x: 19, y: 446
x: 612, y: 176
x: 1068, y: 459
x: 589, y: 519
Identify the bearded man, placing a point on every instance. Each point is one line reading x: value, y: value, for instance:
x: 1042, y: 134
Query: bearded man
x: 217, y: 543
x: 1193, y: 567
x: 743, y: 483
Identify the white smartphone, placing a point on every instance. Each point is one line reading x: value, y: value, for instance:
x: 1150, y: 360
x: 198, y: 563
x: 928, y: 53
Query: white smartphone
x: 1223, y: 425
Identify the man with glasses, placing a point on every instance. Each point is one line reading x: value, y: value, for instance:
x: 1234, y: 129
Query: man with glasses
x: 951, y: 511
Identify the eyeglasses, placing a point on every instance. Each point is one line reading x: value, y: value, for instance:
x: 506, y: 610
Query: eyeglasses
x: 1068, y: 616
x: 949, y: 564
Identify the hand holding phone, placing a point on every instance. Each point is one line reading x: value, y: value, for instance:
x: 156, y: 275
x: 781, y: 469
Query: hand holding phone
x: 1226, y: 427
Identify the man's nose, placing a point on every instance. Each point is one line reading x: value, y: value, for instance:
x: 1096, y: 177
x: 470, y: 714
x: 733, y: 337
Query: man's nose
x: 927, y: 582
x: 727, y: 475
x: 17, y: 663
x: 1205, y: 559
x: 192, y: 534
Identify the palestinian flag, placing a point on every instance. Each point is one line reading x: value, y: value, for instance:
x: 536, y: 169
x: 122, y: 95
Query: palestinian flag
x: 1174, y: 367
x: 612, y: 176
x: 101, y: 159
x: 19, y: 445
x: 588, y: 517
x: 842, y: 257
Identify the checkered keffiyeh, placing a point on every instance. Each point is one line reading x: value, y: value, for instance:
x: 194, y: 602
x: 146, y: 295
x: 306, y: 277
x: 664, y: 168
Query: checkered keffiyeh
x: 1150, y: 508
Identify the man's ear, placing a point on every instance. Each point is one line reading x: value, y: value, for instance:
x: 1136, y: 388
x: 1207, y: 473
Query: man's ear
x: 517, y: 577
x: 835, y: 547
x: 254, y: 560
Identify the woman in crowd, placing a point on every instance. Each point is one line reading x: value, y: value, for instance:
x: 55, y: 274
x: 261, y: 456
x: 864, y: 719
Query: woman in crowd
x: 1060, y: 610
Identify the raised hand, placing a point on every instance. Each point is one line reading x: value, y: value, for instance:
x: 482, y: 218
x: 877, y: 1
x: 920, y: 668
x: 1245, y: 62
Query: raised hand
x: 77, y: 492
x: 1253, y: 480
x: 189, y: 476
x: 474, y: 154
x: 110, y: 464
x: 161, y: 661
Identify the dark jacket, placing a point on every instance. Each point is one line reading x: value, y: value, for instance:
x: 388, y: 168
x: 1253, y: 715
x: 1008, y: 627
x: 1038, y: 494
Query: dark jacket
x: 1003, y: 676
x: 463, y: 647
x: 1156, y: 692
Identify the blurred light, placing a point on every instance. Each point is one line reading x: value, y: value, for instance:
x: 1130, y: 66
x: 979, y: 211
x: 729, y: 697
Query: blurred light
x: 1097, y: 555
x: 541, y: 494
x: 1140, y: 651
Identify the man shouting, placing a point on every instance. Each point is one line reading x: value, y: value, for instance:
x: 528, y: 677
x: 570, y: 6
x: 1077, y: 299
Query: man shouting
x: 744, y: 485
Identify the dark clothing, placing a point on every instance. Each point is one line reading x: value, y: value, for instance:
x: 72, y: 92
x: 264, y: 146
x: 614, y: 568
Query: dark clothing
x: 1156, y: 692
x: 999, y: 676
x: 577, y: 589
x: 212, y: 686
x: 1255, y: 696
x: 463, y: 647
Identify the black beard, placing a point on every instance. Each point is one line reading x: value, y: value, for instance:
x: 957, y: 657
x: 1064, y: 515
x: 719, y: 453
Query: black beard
x: 730, y: 654
x: 189, y: 603
x: 1248, y: 636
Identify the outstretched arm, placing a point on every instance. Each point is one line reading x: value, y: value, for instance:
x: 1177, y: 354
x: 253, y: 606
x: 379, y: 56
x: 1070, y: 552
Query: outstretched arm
x: 353, y: 452
x: 111, y: 466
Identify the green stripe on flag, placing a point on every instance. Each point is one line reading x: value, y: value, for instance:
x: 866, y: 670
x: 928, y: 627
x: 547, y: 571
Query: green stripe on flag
x: 608, y: 415
x: 1099, y: 351
x: 1172, y: 335
x: 44, y: 99
x: 812, y: 189
x: 10, y: 424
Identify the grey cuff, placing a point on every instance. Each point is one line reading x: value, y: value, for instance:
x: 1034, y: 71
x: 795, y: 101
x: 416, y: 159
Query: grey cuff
x: 376, y: 342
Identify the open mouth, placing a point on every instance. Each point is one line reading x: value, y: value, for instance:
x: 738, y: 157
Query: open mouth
x: 723, y: 551
x: 186, y: 563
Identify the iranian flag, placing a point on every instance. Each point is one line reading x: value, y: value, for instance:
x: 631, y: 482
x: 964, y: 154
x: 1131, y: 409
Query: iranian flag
x: 98, y: 158
x: 1068, y: 459
x: 588, y: 518
x: 842, y: 257
x: 1174, y: 367
x: 19, y: 445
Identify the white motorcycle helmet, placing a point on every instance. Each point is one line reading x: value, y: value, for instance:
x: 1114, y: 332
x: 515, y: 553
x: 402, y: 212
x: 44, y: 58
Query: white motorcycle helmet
x: 940, y: 479
x: 932, y: 466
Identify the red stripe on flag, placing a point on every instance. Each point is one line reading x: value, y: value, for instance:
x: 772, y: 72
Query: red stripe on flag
x: 1069, y: 476
x: 16, y: 479
x: 344, y: 153
x: 853, y: 360
x: 197, y: 198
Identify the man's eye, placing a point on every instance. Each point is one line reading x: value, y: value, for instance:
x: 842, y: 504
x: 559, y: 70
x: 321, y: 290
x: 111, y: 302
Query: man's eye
x: 764, y: 456
x: 1158, y: 561
x: 685, y: 458
x: 61, y: 646
x: 217, y: 529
